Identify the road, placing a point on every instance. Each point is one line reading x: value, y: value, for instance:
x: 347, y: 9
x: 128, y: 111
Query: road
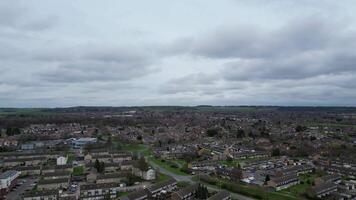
x: 16, y: 194
x: 189, y: 178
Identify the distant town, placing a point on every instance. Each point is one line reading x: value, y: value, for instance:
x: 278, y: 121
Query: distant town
x: 178, y: 153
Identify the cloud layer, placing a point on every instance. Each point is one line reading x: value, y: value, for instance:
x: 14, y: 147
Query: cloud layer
x: 227, y: 53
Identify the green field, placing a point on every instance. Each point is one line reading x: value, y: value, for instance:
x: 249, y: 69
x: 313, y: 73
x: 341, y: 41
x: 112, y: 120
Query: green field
x: 77, y: 171
x: 166, y: 166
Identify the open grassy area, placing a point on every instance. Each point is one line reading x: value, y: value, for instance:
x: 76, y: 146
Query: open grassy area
x: 300, y: 189
x: 79, y: 170
x: 161, y: 177
x: 121, y: 194
x: 166, y: 166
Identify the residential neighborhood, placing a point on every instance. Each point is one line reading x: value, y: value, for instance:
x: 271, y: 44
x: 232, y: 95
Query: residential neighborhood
x: 180, y: 155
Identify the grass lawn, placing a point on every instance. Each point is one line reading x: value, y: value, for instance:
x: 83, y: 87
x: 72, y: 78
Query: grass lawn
x: 71, y: 158
x: 299, y: 190
x: 121, y: 194
x: 161, y: 177
x: 77, y: 171
x: 166, y: 166
x: 181, y: 163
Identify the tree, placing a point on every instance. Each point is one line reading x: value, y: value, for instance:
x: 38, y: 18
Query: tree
x: 240, y: 133
x: 267, y: 179
x: 10, y: 131
x: 212, y: 132
x: 202, y: 192
x: 109, y: 141
x: 142, y: 165
x: 99, y: 166
x: 139, y: 137
x: 102, y: 167
x: 300, y: 128
x: 276, y: 152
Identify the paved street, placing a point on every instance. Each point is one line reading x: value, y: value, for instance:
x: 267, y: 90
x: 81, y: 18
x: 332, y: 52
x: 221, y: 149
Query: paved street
x: 16, y: 194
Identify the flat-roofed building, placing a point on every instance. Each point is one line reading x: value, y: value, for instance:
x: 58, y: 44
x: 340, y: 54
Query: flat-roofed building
x: 8, y: 180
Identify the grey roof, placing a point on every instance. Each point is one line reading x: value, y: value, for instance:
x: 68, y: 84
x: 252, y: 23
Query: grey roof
x: 120, y: 174
x: 56, y: 173
x: 51, y: 181
x: 98, y: 186
x: 220, y: 195
x: 187, y: 190
x: 324, y: 187
x: 331, y: 178
x: 41, y: 193
x: 160, y: 185
x: 8, y: 174
x: 285, y: 179
x: 135, y: 195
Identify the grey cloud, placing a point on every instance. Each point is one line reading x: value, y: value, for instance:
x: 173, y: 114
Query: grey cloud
x: 17, y: 15
x: 94, y: 63
x: 294, y: 67
x: 192, y: 83
x: 307, y: 34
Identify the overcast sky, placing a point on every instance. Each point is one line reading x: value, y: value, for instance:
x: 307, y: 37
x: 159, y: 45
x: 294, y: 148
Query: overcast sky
x: 183, y: 52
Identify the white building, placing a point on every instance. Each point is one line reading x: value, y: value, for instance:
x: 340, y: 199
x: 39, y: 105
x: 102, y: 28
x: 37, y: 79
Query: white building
x: 61, y: 160
x: 149, y: 175
x: 7, y: 180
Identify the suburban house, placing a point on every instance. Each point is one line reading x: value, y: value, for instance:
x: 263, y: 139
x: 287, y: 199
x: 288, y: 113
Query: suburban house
x: 118, y: 158
x: 12, y: 162
x: 185, y: 193
x: 296, y: 169
x: 137, y: 195
x: 57, y: 168
x: 39, y: 195
x: 106, y: 158
x: 164, y: 187
x: 57, y: 175
x: 150, y: 174
x: 99, y: 191
x: 221, y: 195
x: 324, y: 189
x: 112, y: 167
x: 283, y: 182
x: 332, y: 178
x: 62, y: 160
x: 112, y: 177
x: 29, y: 170
x: 50, y: 184
x: 128, y: 164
